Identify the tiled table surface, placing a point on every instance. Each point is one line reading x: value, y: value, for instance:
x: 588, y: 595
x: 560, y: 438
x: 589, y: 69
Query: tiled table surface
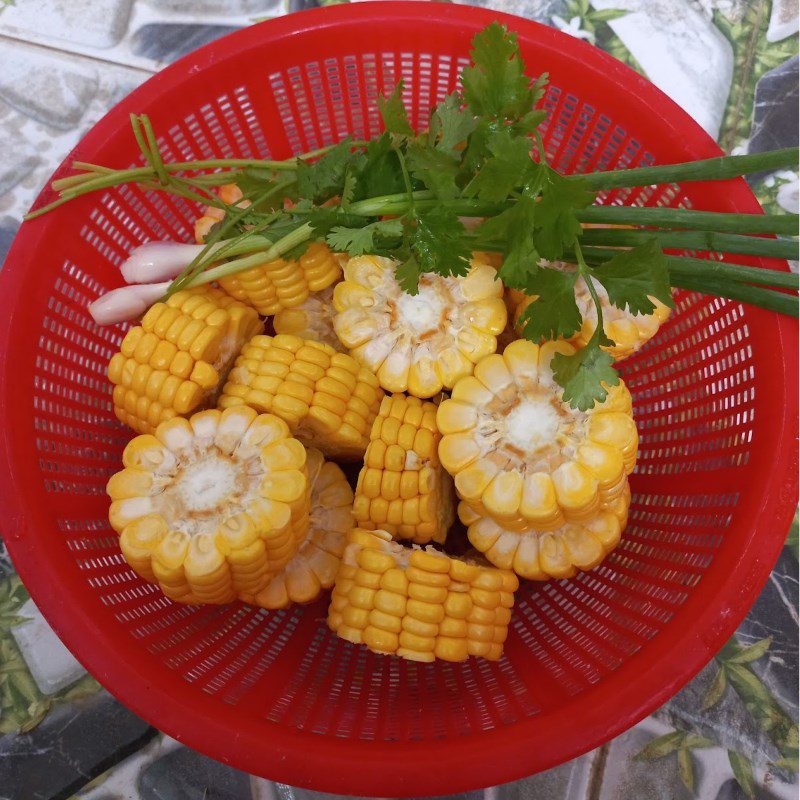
x: 728, y: 735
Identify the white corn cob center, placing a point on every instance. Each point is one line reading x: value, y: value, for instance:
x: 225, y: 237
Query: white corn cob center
x: 529, y: 428
x: 204, y: 485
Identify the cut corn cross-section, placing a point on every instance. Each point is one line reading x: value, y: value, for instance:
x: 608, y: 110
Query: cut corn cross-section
x: 419, y: 343
x: 628, y: 331
x: 312, y: 319
x: 402, y: 487
x: 176, y: 360
x: 327, y: 398
x: 315, y: 564
x: 211, y: 508
x: 525, y: 458
x: 419, y: 604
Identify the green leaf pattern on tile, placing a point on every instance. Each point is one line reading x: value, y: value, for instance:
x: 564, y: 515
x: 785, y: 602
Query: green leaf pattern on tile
x: 22, y: 705
x: 753, y: 57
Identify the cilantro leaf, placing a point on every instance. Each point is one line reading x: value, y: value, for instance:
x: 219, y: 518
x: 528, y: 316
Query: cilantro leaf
x: 393, y: 112
x: 378, y: 170
x: 554, y: 314
x: 507, y: 166
x: 512, y: 230
x: 557, y: 227
x: 528, y: 124
x: 254, y: 182
x: 324, y: 178
x: 450, y: 124
x: 435, y: 168
x: 496, y: 85
x: 633, y: 276
x: 438, y: 243
x: 407, y: 275
x: 583, y: 374
x: 324, y: 220
x: 357, y: 241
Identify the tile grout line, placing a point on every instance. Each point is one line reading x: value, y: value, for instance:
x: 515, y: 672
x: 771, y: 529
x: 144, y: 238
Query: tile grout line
x: 77, y: 54
x: 597, y: 771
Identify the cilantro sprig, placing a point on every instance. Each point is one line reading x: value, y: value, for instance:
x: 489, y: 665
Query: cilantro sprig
x: 404, y: 193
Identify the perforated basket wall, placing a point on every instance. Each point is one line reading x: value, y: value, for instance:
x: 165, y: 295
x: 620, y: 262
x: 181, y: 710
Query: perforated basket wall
x: 276, y: 693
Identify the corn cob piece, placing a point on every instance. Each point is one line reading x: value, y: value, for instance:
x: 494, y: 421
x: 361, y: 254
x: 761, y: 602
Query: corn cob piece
x: 277, y: 284
x: 210, y: 508
x: 628, y: 331
x: 314, y: 567
x: 539, y: 555
x: 175, y: 361
x: 421, y: 343
x: 419, y: 604
x: 312, y: 319
x: 521, y: 455
x: 402, y: 487
x: 327, y: 398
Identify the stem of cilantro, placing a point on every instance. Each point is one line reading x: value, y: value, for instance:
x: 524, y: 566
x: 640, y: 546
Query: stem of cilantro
x: 96, y: 177
x: 211, y: 252
x: 709, y: 169
x: 406, y: 180
x: 599, y: 336
x: 540, y: 146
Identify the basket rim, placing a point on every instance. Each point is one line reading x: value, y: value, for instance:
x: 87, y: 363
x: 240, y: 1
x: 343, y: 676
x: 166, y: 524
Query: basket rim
x: 352, y: 766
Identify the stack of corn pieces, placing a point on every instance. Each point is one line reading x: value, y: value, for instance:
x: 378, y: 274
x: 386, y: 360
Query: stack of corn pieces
x: 543, y: 487
x: 447, y: 412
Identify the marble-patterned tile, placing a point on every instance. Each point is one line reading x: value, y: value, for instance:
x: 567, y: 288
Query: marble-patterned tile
x: 660, y: 762
x: 68, y: 748
x: 184, y: 774
x: 46, y: 86
x: 99, y: 23
x: 63, y: 96
x: 165, y: 42
x: 784, y: 20
x: 110, y: 30
x: 775, y: 122
x: 8, y: 230
x: 539, y: 10
x: 51, y: 665
x: 681, y: 51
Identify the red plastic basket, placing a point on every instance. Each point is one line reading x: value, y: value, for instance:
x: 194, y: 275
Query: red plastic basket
x: 277, y: 694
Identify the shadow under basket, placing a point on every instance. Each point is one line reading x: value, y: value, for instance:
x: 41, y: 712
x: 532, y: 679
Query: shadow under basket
x: 276, y: 693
